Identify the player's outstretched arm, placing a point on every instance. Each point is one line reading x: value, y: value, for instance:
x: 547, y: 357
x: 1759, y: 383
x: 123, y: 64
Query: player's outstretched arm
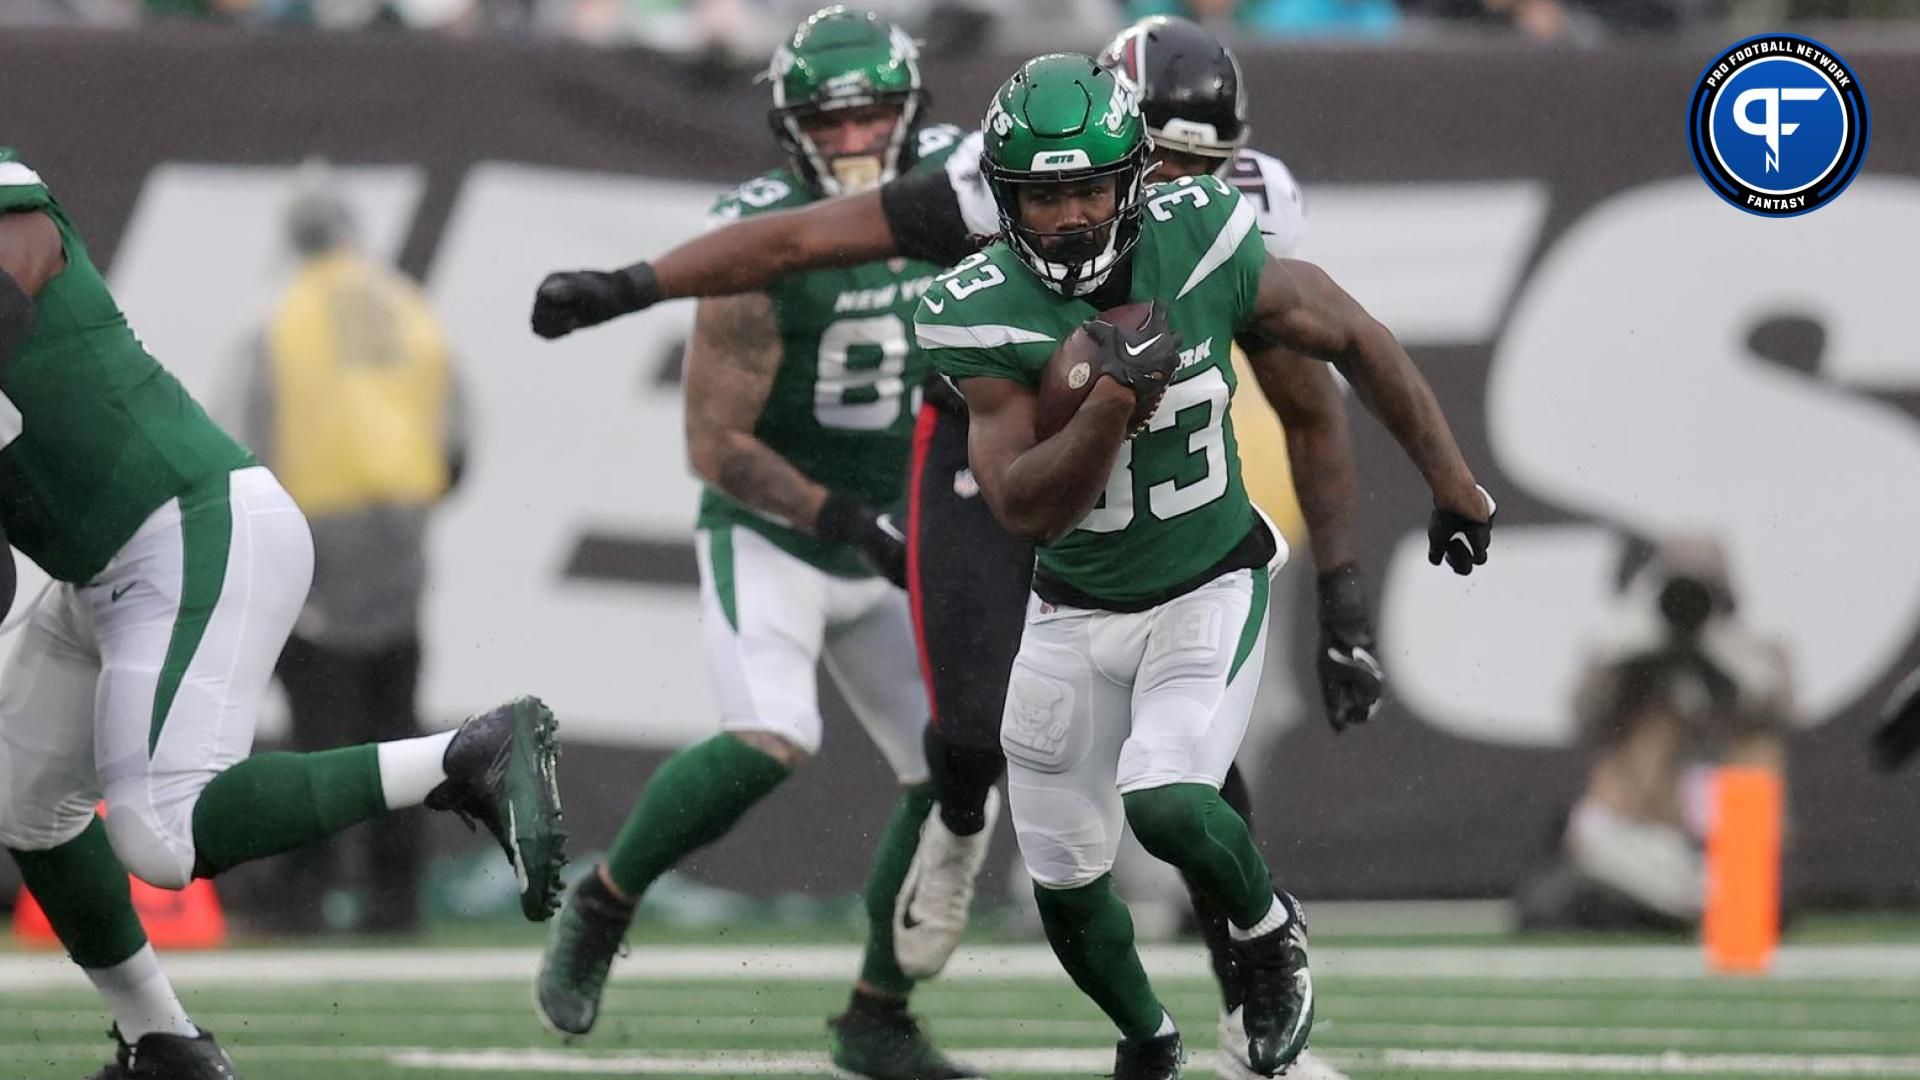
x: 731, y: 361
x: 1039, y: 491
x: 742, y: 257
x: 30, y: 255
x: 1300, y: 308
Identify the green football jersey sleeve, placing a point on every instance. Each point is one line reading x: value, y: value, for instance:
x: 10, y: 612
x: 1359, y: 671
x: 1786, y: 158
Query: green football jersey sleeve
x: 94, y: 434
x: 1175, y: 503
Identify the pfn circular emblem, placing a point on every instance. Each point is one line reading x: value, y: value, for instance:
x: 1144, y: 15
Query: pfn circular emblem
x: 1778, y: 125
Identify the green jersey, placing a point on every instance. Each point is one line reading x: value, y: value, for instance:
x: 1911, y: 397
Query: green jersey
x: 94, y: 434
x: 1174, y: 505
x: 842, y: 405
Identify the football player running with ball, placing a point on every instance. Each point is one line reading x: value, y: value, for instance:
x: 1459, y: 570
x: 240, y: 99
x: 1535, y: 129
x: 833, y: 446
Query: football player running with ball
x: 800, y: 411
x: 179, y: 564
x: 1143, y: 643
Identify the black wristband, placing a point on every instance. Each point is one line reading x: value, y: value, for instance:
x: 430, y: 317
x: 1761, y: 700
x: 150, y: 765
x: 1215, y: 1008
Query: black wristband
x: 1343, y: 600
x: 842, y: 518
x: 639, y: 286
x: 16, y: 315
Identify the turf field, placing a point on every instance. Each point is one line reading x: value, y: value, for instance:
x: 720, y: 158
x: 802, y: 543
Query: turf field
x: 1455, y: 1011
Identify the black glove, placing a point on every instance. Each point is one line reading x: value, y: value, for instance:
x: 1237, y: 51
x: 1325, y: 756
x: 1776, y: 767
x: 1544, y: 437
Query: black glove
x: 846, y: 520
x: 1141, y: 360
x: 573, y: 299
x: 1351, y: 679
x: 1899, y: 733
x: 1458, y: 539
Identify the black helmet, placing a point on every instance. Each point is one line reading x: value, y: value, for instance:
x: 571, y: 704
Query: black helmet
x: 1190, y: 88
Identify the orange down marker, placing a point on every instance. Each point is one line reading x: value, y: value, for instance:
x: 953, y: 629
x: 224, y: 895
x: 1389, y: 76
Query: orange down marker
x: 1742, y: 919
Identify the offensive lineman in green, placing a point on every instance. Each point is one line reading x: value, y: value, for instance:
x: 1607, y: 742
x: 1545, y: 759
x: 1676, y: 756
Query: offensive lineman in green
x: 1144, y: 636
x: 179, y: 565
x: 800, y: 404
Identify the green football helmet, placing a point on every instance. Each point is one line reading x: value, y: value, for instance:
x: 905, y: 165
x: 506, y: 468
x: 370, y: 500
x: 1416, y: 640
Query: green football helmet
x: 839, y: 58
x: 1063, y: 118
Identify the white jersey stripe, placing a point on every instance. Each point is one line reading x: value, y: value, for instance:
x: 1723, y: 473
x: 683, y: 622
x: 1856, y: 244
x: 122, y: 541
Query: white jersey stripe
x: 1224, y: 245
x: 940, y: 336
x: 14, y: 174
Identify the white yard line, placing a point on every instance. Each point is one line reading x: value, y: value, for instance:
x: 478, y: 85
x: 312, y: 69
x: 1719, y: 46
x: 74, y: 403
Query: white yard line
x: 1079, y: 1062
x: 771, y: 963
x: 1671, y: 1063
x: 1084, y: 1062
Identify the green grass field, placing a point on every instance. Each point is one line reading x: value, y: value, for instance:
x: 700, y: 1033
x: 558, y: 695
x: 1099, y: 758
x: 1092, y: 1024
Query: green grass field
x: 1463, y: 1009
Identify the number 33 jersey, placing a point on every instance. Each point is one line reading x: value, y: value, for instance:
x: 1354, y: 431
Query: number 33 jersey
x: 1175, y: 503
x: 842, y: 404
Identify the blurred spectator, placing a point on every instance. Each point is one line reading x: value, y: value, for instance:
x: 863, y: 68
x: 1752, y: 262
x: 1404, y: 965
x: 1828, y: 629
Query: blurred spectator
x: 200, y: 8
x: 1281, y: 18
x: 1676, y: 685
x: 352, y: 401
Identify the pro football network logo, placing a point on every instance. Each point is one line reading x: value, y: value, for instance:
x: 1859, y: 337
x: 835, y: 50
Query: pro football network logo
x: 1778, y: 125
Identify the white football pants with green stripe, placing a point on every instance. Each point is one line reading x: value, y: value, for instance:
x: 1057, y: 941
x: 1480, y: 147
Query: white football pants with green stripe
x: 769, y: 618
x: 1102, y: 703
x: 142, y: 685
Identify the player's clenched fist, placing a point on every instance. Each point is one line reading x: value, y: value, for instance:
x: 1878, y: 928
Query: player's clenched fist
x: 1139, y: 358
x: 570, y: 300
x: 1459, y: 539
x: 1351, y: 679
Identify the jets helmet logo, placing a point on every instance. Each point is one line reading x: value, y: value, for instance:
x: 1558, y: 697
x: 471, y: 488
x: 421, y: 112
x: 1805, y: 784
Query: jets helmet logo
x: 1123, y: 106
x: 998, y: 120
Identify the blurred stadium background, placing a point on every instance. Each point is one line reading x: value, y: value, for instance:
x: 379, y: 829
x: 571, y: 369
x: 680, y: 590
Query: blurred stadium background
x: 1506, y: 183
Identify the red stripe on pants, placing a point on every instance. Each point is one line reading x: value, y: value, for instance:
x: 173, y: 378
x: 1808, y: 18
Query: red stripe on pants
x: 922, y: 444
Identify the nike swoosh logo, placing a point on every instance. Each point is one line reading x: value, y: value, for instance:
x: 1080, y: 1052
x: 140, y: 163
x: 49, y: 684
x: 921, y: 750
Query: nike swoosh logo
x: 513, y: 847
x: 907, y: 918
x: 118, y: 593
x: 1360, y: 660
x: 1461, y: 539
x: 1143, y: 346
x: 936, y: 306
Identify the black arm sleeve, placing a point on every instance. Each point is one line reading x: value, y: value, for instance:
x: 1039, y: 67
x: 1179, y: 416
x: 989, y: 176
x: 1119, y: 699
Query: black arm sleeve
x: 924, y: 214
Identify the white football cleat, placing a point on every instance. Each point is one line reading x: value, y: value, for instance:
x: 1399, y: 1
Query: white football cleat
x: 1231, y: 1062
x: 931, y: 911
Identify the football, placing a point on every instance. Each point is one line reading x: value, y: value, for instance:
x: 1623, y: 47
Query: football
x: 1070, y: 374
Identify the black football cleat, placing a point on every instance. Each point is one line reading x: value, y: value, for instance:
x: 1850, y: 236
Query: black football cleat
x: 1278, y: 988
x: 586, y: 936
x: 159, y: 1056
x: 889, y: 1045
x: 502, y: 772
x: 1162, y: 1057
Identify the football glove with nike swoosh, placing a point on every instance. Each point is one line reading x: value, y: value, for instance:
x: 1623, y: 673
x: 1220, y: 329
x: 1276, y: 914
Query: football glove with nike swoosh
x: 844, y: 519
x: 1143, y: 359
x: 1458, y: 540
x: 1351, y: 678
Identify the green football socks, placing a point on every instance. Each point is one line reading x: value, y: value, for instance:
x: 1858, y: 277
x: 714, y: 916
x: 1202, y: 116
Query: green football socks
x: 273, y: 803
x: 693, y: 799
x: 891, y: 860
x: 1092, y: 934
x: 1190, y: 827
x: 83, y: 889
